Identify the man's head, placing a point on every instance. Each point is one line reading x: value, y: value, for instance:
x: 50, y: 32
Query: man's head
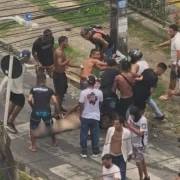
x: 95, y: 54
x: 107, y: 161
x: 85, y: 33
x: 25, y: 56
x: 161, y: 68
x: 41, y: 79
x: 63, y: 41
x: 47, y: 34
x: 135, y: 55
x: 118, y: 123
x: 111, y: 62
x: 126, y: 66
x: 91, y: 80
x: 173, y: 29
x: 135, y: 113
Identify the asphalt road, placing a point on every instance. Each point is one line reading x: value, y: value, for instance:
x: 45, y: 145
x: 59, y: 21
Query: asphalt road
x: 64, y: 161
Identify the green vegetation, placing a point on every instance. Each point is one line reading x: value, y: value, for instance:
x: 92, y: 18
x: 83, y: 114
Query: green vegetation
x: 147, y: 37
x: 90, y: 12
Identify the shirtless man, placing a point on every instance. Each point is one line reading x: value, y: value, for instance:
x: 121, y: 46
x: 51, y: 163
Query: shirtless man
x: 124, y: 83
x: 89, y: 65
x: 59, y: 75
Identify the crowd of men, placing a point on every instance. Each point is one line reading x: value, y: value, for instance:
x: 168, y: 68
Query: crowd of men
x: 127, y: 135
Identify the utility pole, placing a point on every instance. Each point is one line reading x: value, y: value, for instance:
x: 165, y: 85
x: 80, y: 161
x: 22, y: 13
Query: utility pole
x: 122, y: 26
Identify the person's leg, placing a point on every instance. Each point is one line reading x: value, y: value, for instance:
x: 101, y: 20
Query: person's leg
x: 109, y: 52
x: 19, y: 101
x: 122, y: 166
x: 140, y: 170
x: 145, y: 169
x: 64, y: 90
x: 154, y: 106
x: 94, y: 128
x: 11, y: 108
x: 84, y: 136
x: 50, y: 71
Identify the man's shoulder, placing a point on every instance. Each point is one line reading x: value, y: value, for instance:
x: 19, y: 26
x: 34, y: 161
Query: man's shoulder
x: 143, y: 119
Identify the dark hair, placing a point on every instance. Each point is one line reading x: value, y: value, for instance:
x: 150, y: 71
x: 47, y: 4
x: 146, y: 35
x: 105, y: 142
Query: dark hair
x: 62, y: 39
x: 174, y: 27
x: 47, y: 32
x: 41, y: 77
x: 91, y: 80
x: 107, y: 157
x: 111, y: 62
x: 125, y: 65
x: 135, y: 111
x: 162, y: 65
x: 121, y: 119
x: 93, y: 51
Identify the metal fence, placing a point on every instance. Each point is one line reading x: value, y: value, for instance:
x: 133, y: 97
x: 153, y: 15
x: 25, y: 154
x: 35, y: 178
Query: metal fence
x: 155, y: 9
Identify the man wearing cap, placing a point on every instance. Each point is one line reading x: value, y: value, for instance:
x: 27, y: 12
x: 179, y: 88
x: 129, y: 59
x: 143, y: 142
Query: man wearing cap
x: 90, y: 100
x: 17, y: 98
x: 42, y: 51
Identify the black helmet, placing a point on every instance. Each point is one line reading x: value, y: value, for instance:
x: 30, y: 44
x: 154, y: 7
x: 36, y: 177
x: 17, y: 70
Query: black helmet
x: 135, y: 55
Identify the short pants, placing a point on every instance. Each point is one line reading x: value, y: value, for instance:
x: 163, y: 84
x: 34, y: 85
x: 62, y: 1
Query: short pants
x: 60, y: 83
x: 17, y: 99
x: 138, y: 153
x: 48, y: 69
x: 37, y: 116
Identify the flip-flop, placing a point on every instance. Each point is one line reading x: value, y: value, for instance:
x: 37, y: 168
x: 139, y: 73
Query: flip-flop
x: 33, y: 150
x: 55, y: 145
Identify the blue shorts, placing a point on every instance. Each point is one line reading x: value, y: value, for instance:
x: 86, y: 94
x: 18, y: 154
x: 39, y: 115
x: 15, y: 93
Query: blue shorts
x: 37, y: 116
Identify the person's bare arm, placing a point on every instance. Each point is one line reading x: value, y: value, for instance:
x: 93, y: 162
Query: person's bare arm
x: 53, y: 97
x: 115, y: 85
x: 30, y: 100
x: 59, y: 58
x: 73, y: 109
x: 133, y: 129
x: 34, y: 53
x: 134, y: 68
x: 74, y: 66
x: 152, y: 90
x: 166, y: 43
x: 100, y: 65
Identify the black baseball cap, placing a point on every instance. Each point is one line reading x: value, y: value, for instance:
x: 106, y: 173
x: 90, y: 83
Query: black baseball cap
x: 91, y: 80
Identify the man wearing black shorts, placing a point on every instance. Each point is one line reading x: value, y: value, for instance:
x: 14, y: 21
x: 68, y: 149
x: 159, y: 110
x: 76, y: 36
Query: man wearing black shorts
x: 42, y: 52
x: 144, y: 88
x: 59, y: 75
x: 39, y: 100
x: 17, y: 98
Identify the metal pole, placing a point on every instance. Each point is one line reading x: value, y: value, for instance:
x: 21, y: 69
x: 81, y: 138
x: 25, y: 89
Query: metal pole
x: 122, y: 27
x: 8, y: 90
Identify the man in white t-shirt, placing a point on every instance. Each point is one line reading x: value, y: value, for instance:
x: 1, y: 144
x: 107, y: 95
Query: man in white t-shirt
x: 139, y: 132
x: 90, y: 100
x: 174, y: 42
x: 110, y: 170
x: 17, y: 98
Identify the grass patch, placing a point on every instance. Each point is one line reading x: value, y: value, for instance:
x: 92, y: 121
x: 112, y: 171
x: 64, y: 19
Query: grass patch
x: 147, y: 37
x: 85, y: 16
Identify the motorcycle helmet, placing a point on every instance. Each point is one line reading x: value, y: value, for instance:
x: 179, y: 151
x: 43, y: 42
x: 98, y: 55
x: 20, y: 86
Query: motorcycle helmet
x: 135, y: 55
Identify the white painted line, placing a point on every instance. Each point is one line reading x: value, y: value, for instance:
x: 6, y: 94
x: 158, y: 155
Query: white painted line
x: 68, y: 172
x: 22, y: 130
x: 132, y: 173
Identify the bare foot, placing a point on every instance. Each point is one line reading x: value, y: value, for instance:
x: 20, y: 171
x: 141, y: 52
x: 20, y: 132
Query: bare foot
x: 54, y: 144
x: 164, y: 97
x: 33, y: 149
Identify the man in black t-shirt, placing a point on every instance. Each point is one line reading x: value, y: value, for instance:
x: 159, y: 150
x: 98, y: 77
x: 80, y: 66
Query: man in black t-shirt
x: 42, y: 51
x: 39, y: 100
x: 144, y: 88
x: 107, y: 81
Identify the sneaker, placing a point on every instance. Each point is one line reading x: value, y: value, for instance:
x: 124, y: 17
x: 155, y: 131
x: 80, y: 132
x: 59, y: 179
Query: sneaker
x: 162, y: 118
x: 97, y: 154
x: 83, y: 154
x: 11, y: 127
x: 146, y: 178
